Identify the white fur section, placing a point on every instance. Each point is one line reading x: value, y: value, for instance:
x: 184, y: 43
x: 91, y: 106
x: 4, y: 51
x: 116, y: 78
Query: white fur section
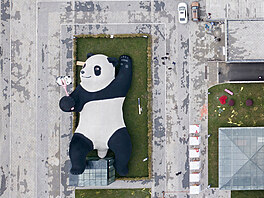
x: 99, y: 120
x: 95, y: 83
x: 102, y: 153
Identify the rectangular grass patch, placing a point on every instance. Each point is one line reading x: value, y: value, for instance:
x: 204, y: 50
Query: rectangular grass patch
x: 114, y: 193
x: 247, y: 194
x: 138, y: 126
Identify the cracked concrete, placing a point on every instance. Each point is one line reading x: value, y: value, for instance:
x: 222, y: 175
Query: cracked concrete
x: 35, y: 134
x: 236, y: 9
x: 239, y: 48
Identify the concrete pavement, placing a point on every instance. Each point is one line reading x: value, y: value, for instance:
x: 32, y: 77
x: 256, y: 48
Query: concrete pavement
x: 5, y: 87
x: 36, y: 40
x: 235, y: 9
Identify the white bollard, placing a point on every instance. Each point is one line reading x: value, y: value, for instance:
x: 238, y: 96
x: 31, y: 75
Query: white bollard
x: 139, y: 107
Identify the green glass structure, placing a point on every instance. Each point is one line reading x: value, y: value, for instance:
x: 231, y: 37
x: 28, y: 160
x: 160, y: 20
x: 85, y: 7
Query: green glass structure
x: 98, y: 172
x: 241, y: 158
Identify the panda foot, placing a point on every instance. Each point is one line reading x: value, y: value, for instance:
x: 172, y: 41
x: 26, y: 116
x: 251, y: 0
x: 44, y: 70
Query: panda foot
x: 76, y: 171
x: 125, y: 61
x: 125, y: 58
x: 122, y: 171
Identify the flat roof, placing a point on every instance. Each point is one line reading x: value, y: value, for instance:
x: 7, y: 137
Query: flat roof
x: 98, y: 172
x: 241, y: 158
x: 244, y: 41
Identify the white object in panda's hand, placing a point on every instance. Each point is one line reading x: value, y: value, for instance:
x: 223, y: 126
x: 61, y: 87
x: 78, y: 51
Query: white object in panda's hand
x: 64, y: 81
x: 61, y: 79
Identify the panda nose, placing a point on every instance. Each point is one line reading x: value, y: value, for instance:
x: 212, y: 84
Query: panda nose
x: 82, y: 72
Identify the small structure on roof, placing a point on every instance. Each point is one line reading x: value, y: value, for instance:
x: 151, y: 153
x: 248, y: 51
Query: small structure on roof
x: 194, y: 153
x: 195, y: 165
x: 195, y: 141
x: 195, y: 177
x: 195, y: 128
x: 194, y: 161
x: 195, y: 190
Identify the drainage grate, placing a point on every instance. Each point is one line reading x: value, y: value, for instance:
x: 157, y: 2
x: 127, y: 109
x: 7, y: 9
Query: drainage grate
x: 205, y: 72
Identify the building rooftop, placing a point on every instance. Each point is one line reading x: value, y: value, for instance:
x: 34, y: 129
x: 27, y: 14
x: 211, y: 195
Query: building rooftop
x: 241, y: 154
x: 244, y: 41
x: 98, y: 172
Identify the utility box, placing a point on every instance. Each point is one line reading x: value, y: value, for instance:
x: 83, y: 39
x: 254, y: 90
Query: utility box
x: 98, y: 172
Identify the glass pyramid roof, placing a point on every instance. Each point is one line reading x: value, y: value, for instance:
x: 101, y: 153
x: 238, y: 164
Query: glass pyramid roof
x: 241, y: 158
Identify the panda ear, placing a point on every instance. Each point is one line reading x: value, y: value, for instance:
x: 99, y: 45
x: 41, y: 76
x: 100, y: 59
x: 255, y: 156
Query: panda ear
x: 113, y: 60
x: 89, y: 55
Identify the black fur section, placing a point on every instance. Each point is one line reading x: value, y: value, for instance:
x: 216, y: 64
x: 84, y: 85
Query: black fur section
x: 117, y: 88
x: 89, y: 55
x: 120, y: 144
x: 80, y: 146
x: 66, y: 103
x: 113, y: 60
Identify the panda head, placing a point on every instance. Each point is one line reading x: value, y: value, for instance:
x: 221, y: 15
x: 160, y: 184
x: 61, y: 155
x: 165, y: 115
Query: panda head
x: 98, y: 72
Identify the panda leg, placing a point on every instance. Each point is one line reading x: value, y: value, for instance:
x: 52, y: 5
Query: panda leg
x: 80, y: 146
x: 120, y: 144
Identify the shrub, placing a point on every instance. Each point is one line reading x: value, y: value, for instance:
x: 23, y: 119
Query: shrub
x: 249, y: 102
x: 231, y: 102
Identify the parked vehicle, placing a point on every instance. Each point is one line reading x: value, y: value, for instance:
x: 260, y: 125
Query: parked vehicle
x: 195, y: 11
x: 182, y: 12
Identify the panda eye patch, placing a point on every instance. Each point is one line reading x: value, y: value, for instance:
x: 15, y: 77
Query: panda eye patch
x: 97, y: 70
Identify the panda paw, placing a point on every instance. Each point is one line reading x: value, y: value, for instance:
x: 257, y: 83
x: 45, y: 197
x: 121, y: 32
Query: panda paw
x: 125, y: 60
x: 67, y: 103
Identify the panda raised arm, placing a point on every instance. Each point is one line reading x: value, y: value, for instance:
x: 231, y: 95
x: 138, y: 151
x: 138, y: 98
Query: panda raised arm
x: 98, y: 81
x: 122, y: 82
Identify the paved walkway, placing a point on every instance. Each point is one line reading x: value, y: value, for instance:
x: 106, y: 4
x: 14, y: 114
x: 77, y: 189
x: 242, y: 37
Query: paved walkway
x: 36, y: 46
x: 235, y: 9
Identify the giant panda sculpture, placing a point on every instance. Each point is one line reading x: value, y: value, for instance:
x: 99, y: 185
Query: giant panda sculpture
x: 99, y: 99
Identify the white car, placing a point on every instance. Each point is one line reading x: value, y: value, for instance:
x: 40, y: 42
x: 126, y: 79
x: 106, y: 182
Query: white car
x: 183, y: 13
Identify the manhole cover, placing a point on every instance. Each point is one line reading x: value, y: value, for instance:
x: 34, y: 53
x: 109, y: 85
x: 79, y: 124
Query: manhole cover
x: 217, y: 32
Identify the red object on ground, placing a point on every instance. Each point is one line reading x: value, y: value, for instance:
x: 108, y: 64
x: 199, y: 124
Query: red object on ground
x: 222, y: 99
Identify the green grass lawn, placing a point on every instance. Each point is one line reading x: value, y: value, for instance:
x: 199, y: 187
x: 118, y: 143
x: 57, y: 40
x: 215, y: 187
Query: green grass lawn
x: 114, y: 193
x: 137, y: 125
x: 238, y: 115
x: 248, y: 194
